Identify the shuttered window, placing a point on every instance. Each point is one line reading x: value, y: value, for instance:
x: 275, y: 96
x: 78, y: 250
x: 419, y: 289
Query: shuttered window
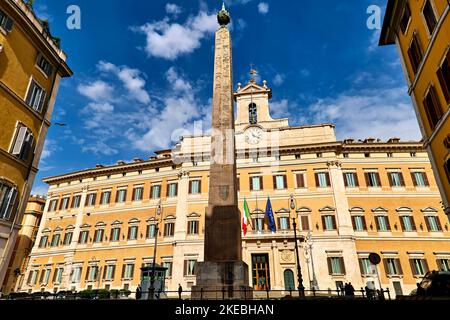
x: 193, y: 227
x: 300, y: 180
x: 98, y: 235
x: 365, y: 266
x: 420, y: 179
x: 322, y: 179
x: 8, y: 196
x: 36, y: 96
x: 433, y: 223
x: 76, y: 201
x: 121, y: 195
x: 132, y: 232
x: 407, y: 223
x: 372, y: 179
x: 43, y: 242
x: 256, y: 184
x: 128, y: 271
x: 169, y: 229
x: 6, y: 22
x: 430, y: 17
x: 68, y: 238
x: 432, y: 108
x: 382, y: 223
x: 305, y: 223
x: 55, y: 240
x: 84, y: 236
x: 106, y: 196
x: 195, y: 187
x: 151, y: 231
x: 328, y: 222
x: 23, y: 142
x: 404, y: 22
x: 109, y: 272
x: 172, y: 189
x: 443, y: 264
x: 351, y: 179
x: 443, y: 74
x: 189, y: 267
x: 396, y: 179
x: 336, y: 265
x: 90, y: 199
x: 415, y: 54
x: 155, y: 191
x: 419, y: 267
x: 115, y: 234
x: 392, y: 266
x: 44, y: 65
x: 279, y: 182
x: 359, y: 223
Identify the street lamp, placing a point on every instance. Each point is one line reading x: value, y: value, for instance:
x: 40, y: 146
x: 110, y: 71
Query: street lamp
x: 309, y: 246
x: 301, y: 288
x: 152, y: 279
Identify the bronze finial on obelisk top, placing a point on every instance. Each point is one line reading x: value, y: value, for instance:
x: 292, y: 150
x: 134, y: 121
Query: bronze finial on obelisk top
x: 222, y: 269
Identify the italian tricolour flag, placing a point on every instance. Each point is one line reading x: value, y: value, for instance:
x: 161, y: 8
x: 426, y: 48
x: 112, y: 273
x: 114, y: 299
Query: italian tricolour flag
x: 246, y: 219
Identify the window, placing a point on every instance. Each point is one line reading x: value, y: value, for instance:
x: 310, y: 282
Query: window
x: 169, y: 229
x: 64, y: 203
x: 68, y: 238
x: 84, y: 235
x: 415, y: 54
x: 36, y: 96
x: 193, y: 227
x: 53, y: 205
x: 45, y: 276
x: 443, y: 264
x: 76, y: 275
x: 252, y: 114
x: 284, y: 223
x: 106, y: 196
x: 351, y: 179
x: 304, y: 220
x: 90, y: 199
x: 443, y: 74
x: 404, y: 22
x: 256, y: 183
x: 151, y: 231
x: 407, y: 223
x: 57, y: 276
x: 430, y: 17
x: 322, y: 179
x: 6, y: 22
x: 382, y: 223
x: 365, y: 266
x: 92, y: 273
x: 44, y: 65
x: 419, y: 267
x: 329, y: 222
x: 432, y: 108
x: 98, y: 235
x: 279, y: 182
x: 413, y: 154
x: 121, y: 195
x: 8, y: 195
x: 258, y: 224
x: 32, y: 278
x: 396, y: 179
x: 155, y: 192
x: 300, y: 180
x: 76, y: 202
x: 55, y: 240
x: 359, y: 223
x: 115, y: 234
x: 420, y: 179
x: 127, y: 271
x: 132, y: 233
x: 109, y: 272
x: 373, y: 179
x: 336, y: 265
x: 189, y: 267
x: 433, y: 223
x: 172, y: 189
x: 319, y: 155
x: 168, y: 265
x: 23, y: 142
x: 43, y: 242
x: 195, y: 187
x: 390, y: 155
x: 392, y: 267
x: 138, y: 193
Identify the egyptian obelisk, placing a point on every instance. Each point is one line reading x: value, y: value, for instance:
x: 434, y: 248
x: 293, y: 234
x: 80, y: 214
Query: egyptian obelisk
x: 223, y: 269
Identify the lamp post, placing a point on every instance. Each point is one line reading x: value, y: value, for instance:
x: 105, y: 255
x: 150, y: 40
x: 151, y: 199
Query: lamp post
x: 301, y: 288
x: 309, y: 245
x: 152, y: 277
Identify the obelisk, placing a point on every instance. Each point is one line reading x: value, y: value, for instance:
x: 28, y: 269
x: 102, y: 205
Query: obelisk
x: 223, y: 271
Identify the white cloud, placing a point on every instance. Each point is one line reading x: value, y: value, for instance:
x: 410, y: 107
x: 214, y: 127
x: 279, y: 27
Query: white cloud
x: 374, y: 40
x: 279, y: 109
x: 172, y: 8
x: 171, y: 40
x: 380, y: 113
x: 97, y: 90
x: 263, y: 7
x: 50, y: 146
x: 39, y: 190
x: 131, y: 79
x: 100, y: 147
x: 278, y: 80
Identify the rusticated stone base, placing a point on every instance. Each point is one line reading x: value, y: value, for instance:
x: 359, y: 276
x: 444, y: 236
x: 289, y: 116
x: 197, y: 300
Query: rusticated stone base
x: 222, y: 280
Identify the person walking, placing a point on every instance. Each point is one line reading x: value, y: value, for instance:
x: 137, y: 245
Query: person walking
x: 351, y: 290
x: 180, y: 291
x: 138, y: 292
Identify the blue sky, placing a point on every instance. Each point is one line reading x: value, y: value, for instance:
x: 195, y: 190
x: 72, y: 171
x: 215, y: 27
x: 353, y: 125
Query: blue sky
x: 143, y: 73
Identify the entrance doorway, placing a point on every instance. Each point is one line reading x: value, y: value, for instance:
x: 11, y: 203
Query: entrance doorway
x: 289, y: 284
x: 260, y: 271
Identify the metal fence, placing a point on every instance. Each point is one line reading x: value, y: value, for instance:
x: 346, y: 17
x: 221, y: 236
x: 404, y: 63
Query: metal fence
x: 204, y: 294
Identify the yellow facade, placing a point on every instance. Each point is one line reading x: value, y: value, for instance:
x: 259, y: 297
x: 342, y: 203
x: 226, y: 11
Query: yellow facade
x: 25, y: 241
x: 31, y: 66
x: 342, y: 201
x: 429, y: 23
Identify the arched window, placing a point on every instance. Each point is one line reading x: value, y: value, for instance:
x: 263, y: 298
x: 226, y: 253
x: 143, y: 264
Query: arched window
x: 252, y: 113
x: 289, y: 284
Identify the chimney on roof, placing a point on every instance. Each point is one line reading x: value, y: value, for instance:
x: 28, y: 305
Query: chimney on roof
x: 369, y: 140
x: 137, y: 160
x: 349, y: 141
x: 394, y: 140
x: 99, y: 166
x: 120, y: 162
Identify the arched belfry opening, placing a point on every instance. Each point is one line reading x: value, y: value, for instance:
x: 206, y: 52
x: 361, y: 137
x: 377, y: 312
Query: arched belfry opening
x: 252, y: 113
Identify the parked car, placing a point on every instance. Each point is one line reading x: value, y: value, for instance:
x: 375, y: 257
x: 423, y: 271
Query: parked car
x: 434, y: 284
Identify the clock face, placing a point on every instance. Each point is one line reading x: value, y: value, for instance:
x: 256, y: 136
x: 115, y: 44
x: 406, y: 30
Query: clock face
x: 254, y: 135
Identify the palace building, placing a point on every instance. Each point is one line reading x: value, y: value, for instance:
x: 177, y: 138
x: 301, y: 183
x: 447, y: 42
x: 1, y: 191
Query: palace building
x: 352, y: 197
x: 421, y: 31
x: 31, y: 67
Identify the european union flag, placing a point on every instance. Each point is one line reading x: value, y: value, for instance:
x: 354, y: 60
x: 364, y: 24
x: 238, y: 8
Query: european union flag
x: 270, y: 217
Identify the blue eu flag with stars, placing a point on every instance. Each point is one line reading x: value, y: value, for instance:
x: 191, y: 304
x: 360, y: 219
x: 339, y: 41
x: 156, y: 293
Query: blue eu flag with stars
x: 270, y: 217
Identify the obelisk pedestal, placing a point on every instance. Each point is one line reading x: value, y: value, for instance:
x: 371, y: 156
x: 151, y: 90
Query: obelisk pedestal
x: 223, y: 274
